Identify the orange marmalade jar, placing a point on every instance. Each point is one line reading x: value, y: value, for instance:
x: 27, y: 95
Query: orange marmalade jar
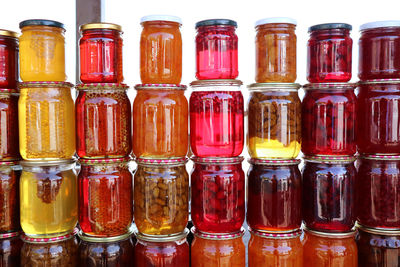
x: 161, y: 49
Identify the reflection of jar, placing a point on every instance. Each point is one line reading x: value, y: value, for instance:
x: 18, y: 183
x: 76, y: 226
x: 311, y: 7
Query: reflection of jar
x: 274, y: 120
x: 161, y: 192
x: 274, y: 195
x: 103, y: 121
x: 42, y: 50
x: 46, y: 121
x: 276, y: 50
x: 267, y: 249
x: 160, y: 121
x: 9, y: 59
x: 216, y: 118
x: 48, y: 198
x: 10, y: 249
x: 329, y: 250
x: 162, y: 252
x: 9, y: 142
x: 100, y: 53
x: 218, y: 186
x: 161, y: 50
x: 105, y: 197
x: 328, y: 193
x: 61, y: 251
x: 218, y: 250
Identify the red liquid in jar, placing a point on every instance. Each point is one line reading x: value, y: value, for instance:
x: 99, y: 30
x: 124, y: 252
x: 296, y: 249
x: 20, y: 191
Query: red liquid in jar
x: 9, y: 70
x: 9, y: 139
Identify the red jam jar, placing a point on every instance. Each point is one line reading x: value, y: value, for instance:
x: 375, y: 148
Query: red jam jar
x: 328, y: 119
x: 100, y: 55
x: 9, y: 138
x: 378, y: 119
x: 379, y: 50
x: 103, y: 121
x: 162, y: 251
x: 218, y: 194
x: 329, y: 52
x: 9, y: 49
x: 216, y: 49
x: 328, y: 193
x: 10, y: 249
x: 378, y: 192
x: 216, y: 118
x: 274, y: 195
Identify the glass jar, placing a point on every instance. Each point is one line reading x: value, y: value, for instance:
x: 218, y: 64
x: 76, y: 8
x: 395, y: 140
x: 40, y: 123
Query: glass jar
x: 328, y: 119
x: 61, y: 251
x: 378, y: 248
x: 46, y: 114
x: 378, y: 119
x: 218, y: 194
x: 161, y: 50
x: 328, y: 193
x: 274, y: 120
x: 378, y: 192
x: 329, y: 53
x: 274, y: 195
x: 216, y: 49
x: 110, y: 251
x: 9, y: 142
x: 161, y: 196
x: 270, y: 250
x: 100, y: 54
x: 105, y: 197
x: 379, y: 50
x: 162, y: 252
x: 48, y: 198
x: 42, y: 50
x: 218, y: 250
x: 276, y: 50
x: 216, y: 118
x: 103, y: 121
x: 10, y: 249
x: 9, y: 47
x: 329, y: 250
x: 160, y: 121
x: 10, y: 173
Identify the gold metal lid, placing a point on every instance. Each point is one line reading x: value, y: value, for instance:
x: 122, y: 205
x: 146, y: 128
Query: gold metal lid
x: 329, y: 86
x: 277, y: 235
x: 161, y: 239
x: 274, y: 87
x: 378, y: 231
x: 100, y: 25
x: 222, y: 82
x: 96, y: 239
x: 8, y: 33
x: 352, y: 233
x: 29, y: 163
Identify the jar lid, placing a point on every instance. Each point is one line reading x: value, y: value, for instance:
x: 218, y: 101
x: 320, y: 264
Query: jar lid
x: 37, y: 240
x: 160, y: 86
x: 378, y: 231
x: 330, y: 26
x: 9, y: 163
x: 9, y: 235
x: 40, y: 163
x: 330, y: 159
x: 218, y: 236
x: 277, y: 235
x: 83, y: 86
x: 211, y: 160
x: 351, y: 233
x: 8, y: 91
x: 100, y: 25
x: 162, y: 239
x: 380, y: 24
x: 102, y: 161
x: 8, y: 33
x: 222, y: 82
x: 96, y: 239
x: 380, y: 156
x: 161, y: 18
x: 274, y: 161
x: 276, y: 20
x: 44, y: 84
x: 155, y: 161
x: 274, y: 86
x: 380, y: 81
x: 41, y: 22
x: 212, y: 22
x: 329, y: 86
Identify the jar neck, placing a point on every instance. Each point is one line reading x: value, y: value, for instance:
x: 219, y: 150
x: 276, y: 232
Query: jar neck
x: 91, y: 32
x: 43, y: 29
x: 203, y: 29
x: 161, y: 24
x: 381, y: 31
x: 330, y: 32
x: 277, y: 27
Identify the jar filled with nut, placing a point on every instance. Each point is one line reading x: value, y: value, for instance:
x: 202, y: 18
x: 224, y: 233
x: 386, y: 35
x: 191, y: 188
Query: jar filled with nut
x: 161, y: 191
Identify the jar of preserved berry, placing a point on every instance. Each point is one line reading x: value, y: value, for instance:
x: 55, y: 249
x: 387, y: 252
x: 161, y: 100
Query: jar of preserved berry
x: 378, y: 121
x: 161, y: 50
x: 48, y: 198
x: 216, y: 118
x: 46, y: 115
x: 328, y: 119
x: 60, y: 251
x: 162, y: 251
x: 103, y: 121
x: 329, y: 250
x: 276, y: 50
x: 105, y: 197
x: 218, y: 194
x: 9, y: 71
x: 161, y: 196
x: 214, y: 250
x: 42, y: 50
x: 10, y: 249
x: 329, y: 53
x: 273, y: 249
x: 274, y: 195
x: 9, y: 142
x: 274, y: 120
x: 379, y: 50
x: 328, y: 193
x: 100, y: 54
x: 216, y: 49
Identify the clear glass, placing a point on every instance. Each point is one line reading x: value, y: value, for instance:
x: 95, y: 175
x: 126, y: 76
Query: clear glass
x: 9, y: 142
x: 9, y: 70
x: 9, y: 197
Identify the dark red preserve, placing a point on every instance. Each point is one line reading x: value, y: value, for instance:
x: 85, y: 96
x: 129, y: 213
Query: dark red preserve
x: 9, y: 69
x: 9, y: 138
x: 10, y: 249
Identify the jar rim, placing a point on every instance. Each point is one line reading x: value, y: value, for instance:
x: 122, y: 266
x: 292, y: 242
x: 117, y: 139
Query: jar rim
x: 100, y: 25
x: 96, y: 239
x: 147, y: 86
x: 44, y: 240
x: 9, y: 235
x: 218, y: 236
x: 380, y: 156
x: 329, y: 86
x: 380, y: 24
x: 275, y: 20
x: 379, y: 81
x: 8, y: 33
x: 378, y: 231
x: 277, y: 235
x: 83, y: 86
x: 215, y: 160
x: 351, y: 233
x: 9, y: 163
x: 161, y: 162
x: 8, y: 91
x: 41, y: 22
x: 44, y: 84
x: 222, y: 82
x: 102, y: 161
x: 274, y: 162
x: 329, y: 159
x: 274, y: 86
x: 43, y: 163
x: 161, y: 18
x: 216, y: 22
x: 162, y: 239
x: 330, y: 26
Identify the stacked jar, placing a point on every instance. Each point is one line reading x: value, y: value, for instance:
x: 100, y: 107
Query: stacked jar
x: 377, y: 199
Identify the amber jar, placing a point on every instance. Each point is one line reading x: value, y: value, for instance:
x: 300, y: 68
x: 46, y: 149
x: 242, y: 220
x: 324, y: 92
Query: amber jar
x: 9, y: 139
x: 273, y: 249
x: 276, y: 50
x: 9, y: 47
x: 10, y: 249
